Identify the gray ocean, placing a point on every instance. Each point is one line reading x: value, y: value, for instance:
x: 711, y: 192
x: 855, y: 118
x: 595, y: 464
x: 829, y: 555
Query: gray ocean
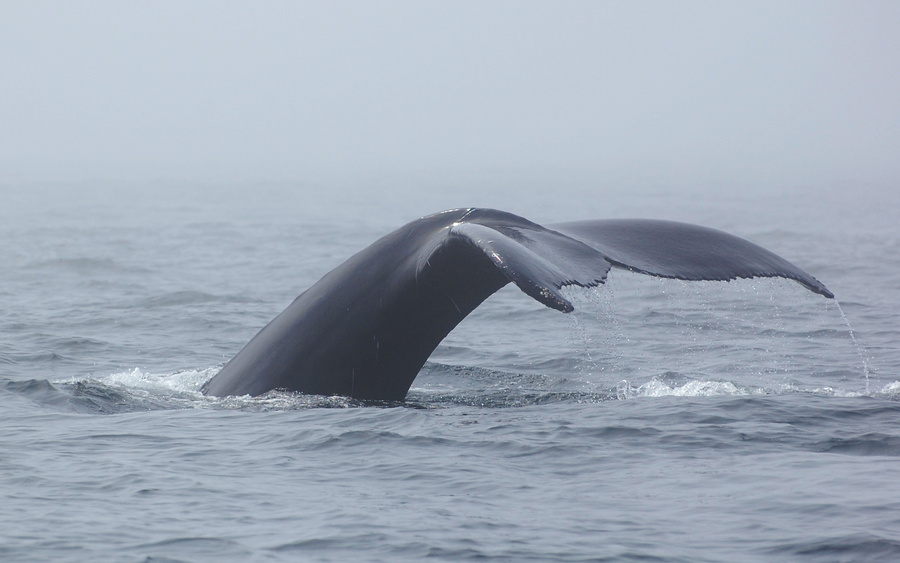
x: 660, y: 421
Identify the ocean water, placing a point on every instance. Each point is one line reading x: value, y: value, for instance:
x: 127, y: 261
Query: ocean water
x: 661, y: 421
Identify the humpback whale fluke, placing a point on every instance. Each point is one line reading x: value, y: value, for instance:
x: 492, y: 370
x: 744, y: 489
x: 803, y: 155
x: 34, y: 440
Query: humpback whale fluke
x: 366, y: 328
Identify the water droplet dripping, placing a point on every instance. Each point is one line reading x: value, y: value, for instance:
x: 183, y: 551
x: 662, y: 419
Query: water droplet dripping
x: 859, y: 349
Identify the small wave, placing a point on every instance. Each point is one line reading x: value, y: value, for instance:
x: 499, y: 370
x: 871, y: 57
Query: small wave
x: 183, y: 388
x: 857, y: 547
x: 81, y: 397
x: 869, y: 444
x: 422, y: 398
x: 87, y: 266
x: 658, y: 388
x: 138, y: 390
x: 890, y: 391
x: 131, y: 391
x: 181, y: 298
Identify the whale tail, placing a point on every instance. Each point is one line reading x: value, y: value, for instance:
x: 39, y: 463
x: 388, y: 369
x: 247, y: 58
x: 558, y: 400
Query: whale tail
x: 366, y: 328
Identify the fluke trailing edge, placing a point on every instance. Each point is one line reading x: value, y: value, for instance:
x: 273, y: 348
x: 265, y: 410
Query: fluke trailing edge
x: 367, y: 327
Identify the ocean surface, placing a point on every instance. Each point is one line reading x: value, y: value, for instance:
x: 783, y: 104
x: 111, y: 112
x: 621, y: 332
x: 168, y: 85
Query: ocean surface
x: 660, y: 421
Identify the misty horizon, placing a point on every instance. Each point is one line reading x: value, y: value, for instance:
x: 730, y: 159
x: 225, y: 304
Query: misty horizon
x: 761, y: 93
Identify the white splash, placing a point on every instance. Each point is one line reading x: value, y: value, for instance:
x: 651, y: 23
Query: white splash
x: 185, y: 382
x: 890, y: 391
x: 864, y: 358
x: 658, y: 388
x: 182, y: 388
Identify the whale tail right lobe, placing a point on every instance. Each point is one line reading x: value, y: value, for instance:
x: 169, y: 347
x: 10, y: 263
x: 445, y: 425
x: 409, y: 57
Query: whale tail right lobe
x: 688, y: 252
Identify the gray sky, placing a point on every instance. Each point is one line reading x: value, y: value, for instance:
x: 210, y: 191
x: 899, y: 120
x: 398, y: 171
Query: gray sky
x: 768, y: 92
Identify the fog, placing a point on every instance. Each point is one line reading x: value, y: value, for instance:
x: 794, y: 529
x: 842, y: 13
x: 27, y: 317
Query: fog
x: 746, y: 94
